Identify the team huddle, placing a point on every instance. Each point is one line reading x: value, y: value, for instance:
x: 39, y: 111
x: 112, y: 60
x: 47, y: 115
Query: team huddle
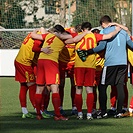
x: 90, y: 58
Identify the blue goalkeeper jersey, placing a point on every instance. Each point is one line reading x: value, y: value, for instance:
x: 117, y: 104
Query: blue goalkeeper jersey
x: 115, y: 48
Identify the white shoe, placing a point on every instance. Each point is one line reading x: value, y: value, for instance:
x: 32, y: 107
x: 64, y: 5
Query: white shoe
x: 80, y: 117
x: 89, y: 117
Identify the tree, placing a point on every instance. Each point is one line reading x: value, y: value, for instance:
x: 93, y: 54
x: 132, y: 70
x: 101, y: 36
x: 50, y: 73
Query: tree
x: 11, y: 12
x: 92, y: 11
x: 124, y: 12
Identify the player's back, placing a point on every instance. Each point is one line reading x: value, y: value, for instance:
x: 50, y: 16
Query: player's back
x: 25, y: 54
x: 116, y: 48
x: 87, y: 42
x: 67, y: 54
x: 55, y: 43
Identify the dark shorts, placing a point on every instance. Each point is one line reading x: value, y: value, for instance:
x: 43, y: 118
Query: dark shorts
x: 131, y: 74
x: 112, y: 75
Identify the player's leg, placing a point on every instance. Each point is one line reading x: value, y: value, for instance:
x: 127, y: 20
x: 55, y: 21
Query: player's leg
x: 131, y: 101
x: 89, y: 82
x: 73, y: 92
x: 62, y: 71
x: 38, y: 100
x: 40, y: 81
x: 45, y: 102
x: 102, y: 100
x: 79, y: 101
x: 79, y: 82
x: 56, y: 102
x: 95, y: 93
x: 32, y: 91
x: 23, y: 97
x: 23, y: 74
x: 113, y: 97
x: 120, y: 99
x: 61, y: 93
x: 125, y: 106
x: 95, y: 97
x: 89, y: 102
x: 131, y: 107
x: 120, y: 78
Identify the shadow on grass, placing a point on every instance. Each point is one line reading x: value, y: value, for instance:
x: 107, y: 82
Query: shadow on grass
x: 14, y: 123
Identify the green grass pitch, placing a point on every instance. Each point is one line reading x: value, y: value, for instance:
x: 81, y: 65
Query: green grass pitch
x: 11, y: 121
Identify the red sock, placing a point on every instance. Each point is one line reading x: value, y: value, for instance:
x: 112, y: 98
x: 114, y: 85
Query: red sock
x: 56, y: 103
x: 22, y: 95
x: 73, y: 91
x: 46, y: 100
x: 61, y: 93
x: 42, y: 104
x: 89, y: 102
x: 95, y: 98
x: 32, y: 91
x: 126, y: 96
x: 38, y: 101
x: 79, y: 102
x: 113, y: 96
x: 131, y: 103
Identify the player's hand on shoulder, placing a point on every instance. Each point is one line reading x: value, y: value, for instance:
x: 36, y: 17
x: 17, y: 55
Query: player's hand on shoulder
x: 117, y: 28
x: 47, y: 50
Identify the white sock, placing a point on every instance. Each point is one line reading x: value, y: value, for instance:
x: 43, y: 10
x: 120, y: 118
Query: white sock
x: 61, y: 108
x: 80, y: 113
x: 74, y: 108
x: 89, y: 114
x: 112, y: 108
x: 24, y: 110
x: 126, y: 109
x: 130, y: 110
x: 35, y: 110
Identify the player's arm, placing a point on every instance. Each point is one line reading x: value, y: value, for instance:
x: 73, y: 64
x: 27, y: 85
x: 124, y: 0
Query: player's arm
x: 84, y: 53
x: 121, y: 26
x: 111, y: 34
x: 37, y: 47
x: 63, y: 36
x: 76, y: 38
x: 36, y: 36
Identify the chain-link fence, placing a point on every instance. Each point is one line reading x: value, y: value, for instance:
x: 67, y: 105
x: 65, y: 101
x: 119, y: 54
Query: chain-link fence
x: 21, y: 14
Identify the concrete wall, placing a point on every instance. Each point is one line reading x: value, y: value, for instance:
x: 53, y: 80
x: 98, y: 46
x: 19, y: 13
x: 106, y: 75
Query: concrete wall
x: 7, y: 57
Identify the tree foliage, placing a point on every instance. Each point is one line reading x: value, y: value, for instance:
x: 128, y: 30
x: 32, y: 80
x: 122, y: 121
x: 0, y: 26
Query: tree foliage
x: 12, y: 15
x: 14, y: 12
x: 93, y: 10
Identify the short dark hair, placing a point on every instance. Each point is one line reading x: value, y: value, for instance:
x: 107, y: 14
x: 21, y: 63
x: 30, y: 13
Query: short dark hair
x: 78, y: 28
x: 95, y: 31
x: 105, y: 19
x: 86, y: 25
x: 59, y: 28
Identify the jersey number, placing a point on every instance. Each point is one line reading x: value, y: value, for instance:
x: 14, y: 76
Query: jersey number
x: 88, y: 42
x: 50, y: 40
